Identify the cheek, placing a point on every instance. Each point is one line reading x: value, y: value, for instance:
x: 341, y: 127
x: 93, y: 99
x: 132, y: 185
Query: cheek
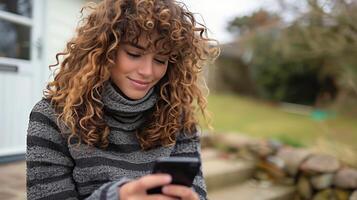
x: 161, y: 72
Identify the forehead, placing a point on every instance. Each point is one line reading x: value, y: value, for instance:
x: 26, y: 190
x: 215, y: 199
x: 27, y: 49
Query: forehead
x: 148, y: 42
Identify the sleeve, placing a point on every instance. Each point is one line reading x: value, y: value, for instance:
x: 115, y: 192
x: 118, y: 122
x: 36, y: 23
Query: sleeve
x: 189, y: 146
x: 50, y: 165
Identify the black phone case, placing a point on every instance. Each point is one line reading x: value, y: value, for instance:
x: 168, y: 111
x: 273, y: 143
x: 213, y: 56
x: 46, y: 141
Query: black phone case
x: 182, y: 170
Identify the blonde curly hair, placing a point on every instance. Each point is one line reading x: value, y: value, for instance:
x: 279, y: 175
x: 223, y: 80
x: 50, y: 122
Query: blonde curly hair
x: 76, y: 89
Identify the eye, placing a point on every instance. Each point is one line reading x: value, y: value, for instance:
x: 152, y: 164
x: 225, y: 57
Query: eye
x: 161, y: 61
x: 134, y: 55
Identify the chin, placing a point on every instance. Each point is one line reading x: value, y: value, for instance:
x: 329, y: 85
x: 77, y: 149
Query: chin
x: 137, y: 96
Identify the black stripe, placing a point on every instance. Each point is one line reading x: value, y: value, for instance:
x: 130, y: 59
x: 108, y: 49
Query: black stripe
x: 41, y: 142
x: 123, y: 148
x: 122, y: 129
x: 186, y: 154
x: 111, y: 112
x: 84, y: 196
x: 200, y: 191
x: 103, y: 194
x: 49, y: 180
x: 188, y: 140
x: 61, y: 195
x: 39, y: 117
x: 100, y: 161
x: 128, y: 121
x: 112, y: 128
x: 32, y: 164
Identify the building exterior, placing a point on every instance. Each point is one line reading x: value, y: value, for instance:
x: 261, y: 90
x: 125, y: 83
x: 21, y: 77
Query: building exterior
x: 31, y: 33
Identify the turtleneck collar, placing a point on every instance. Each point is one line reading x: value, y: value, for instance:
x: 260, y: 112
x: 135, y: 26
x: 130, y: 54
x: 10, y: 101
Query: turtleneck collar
x: 127, y: 113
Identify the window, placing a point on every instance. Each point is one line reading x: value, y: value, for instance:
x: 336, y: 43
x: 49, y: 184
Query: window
x: 19, y: 7
x: 15, y: 28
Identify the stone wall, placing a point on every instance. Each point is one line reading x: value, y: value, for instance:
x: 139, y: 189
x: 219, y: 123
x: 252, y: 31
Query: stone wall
x: 316, y: 176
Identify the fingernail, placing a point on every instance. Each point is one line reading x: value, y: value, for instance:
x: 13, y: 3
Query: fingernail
x: 164, y: 189
x: 168, y: 178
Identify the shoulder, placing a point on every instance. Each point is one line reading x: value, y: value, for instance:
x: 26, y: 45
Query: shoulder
x: 44, y: 109
x: 43, y: 121
x: 43, y: 106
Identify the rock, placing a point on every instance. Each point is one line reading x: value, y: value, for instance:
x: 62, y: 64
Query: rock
x: 273, y: 171
x: 261, y: 175
x: 331, y: 194
x: 322, y: 181
x: 346, y: 178
x: 261, y: 148
x: 292, y: 158
x: 278, y: 162
x: 275, y: 144
x: 324, y: 195
x: 304, y: 188
x: 353, y: 195
x: 341, y: 194
x: 234, y: 140
x: 320, y: 164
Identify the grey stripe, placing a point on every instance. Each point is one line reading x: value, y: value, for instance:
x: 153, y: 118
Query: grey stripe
x: 45, y: 172
x: 104, y: 172
x: 121, y: 137
x: 134, y: 157
x: 41, y: 190
x: 46, y: 132
x: 47, y: 155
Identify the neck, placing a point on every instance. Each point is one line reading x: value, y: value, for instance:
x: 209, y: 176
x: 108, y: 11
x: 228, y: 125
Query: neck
x: 119, y: 90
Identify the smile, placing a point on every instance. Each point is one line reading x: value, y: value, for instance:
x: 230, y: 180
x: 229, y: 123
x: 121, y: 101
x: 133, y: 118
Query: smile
x: 139, y: 85
x: 139, y: 82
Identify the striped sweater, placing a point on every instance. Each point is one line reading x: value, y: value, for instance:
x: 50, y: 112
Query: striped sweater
x: 58, y: 171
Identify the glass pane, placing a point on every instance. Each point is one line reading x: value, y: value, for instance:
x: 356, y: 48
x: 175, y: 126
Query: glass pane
x: 14, y: 40
x: 20, y: 7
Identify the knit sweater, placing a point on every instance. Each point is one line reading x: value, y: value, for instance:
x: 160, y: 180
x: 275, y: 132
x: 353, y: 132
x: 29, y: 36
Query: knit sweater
x: 56, y: 170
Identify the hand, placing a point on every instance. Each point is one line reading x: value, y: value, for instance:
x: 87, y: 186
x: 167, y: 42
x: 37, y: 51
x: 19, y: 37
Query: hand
x: 136, y: 189
x: 185, y: 193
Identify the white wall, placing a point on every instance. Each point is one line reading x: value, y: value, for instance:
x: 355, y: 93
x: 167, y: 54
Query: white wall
x: 61, y: 19
x: 54, y: 23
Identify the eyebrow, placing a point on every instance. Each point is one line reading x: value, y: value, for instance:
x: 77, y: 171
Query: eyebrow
x: 136, y: 45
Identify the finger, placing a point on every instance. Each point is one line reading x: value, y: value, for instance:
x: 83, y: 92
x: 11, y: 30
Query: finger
x: 151, y: 181
x: 185, y: 193
x: 159, y: 197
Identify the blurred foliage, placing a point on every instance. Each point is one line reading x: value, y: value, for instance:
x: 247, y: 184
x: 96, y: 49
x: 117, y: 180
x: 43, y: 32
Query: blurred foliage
x: 308, y: 60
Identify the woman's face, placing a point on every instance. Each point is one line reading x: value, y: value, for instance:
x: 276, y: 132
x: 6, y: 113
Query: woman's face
x: 137, y: 69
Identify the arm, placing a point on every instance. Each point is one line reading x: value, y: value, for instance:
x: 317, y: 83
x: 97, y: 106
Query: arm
x: 50, y: 165
x: 189, y: 146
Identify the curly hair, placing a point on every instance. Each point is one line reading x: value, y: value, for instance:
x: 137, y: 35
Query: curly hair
x: 78, y: 83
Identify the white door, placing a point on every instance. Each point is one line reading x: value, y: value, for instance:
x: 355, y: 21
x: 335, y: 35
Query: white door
x: 20, y: 54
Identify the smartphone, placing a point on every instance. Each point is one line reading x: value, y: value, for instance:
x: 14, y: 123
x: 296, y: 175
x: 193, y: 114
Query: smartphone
x: 182, y: 170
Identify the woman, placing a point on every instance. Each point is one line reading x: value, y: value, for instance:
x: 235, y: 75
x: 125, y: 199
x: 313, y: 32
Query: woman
x: 124, y: 95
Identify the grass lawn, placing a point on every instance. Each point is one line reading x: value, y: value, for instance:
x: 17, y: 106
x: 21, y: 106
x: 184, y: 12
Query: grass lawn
x: 261, y: 119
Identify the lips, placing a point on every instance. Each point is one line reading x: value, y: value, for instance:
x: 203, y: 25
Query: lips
x: 140, y: 82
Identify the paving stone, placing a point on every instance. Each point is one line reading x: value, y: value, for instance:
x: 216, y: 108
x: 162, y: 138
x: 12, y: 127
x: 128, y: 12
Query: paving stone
x: 251, y: 190
x: 223, y: 172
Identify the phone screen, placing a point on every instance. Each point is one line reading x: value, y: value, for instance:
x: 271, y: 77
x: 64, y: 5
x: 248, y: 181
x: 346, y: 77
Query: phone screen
x: 182, y: 170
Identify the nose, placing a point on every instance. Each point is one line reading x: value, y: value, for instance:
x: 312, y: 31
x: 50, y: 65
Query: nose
x: 146, y: 67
